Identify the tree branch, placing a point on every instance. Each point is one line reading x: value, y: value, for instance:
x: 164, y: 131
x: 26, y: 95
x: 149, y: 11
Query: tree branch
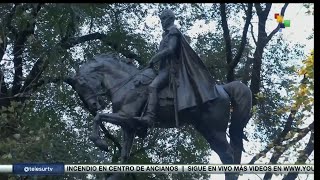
x: 232, y: 62
x: 68, y: 43
x: 40, y: 65
x: 34, y: 75
x: 287, y: 126
x: 236, y: 60
x: 3, y: 47
x: 277, y: 141
x: 72, y: 25
x: 17, y: 61
x: 283, y: 10
x: 263, y: 14
x: 226, y: 32
x: 280, y: 150
x: 3, y: 87
x: 254, y: 39
x: 42, y: 82
x: 9, y: 20
x: 261, y: 44
x: 262, y: 41
x: 247, y: 68
x: 302, y: 133
x: 18, y: 49
x: 303, y: 156
x: 258, y: 8
x: 267, y: 9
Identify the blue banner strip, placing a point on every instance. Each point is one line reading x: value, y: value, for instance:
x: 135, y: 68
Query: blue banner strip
x: 38, y: 168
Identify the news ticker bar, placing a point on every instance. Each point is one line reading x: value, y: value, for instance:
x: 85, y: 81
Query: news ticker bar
x: 60, y: 168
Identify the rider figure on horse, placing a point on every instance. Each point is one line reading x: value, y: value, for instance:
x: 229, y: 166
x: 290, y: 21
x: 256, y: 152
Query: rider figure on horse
x: 193, y: 81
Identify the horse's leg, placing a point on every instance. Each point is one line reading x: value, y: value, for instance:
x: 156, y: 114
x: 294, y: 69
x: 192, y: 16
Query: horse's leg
x: 127, y: 142
x: 112, y: 118
x: 213, y: 125
x: 106, y: 117
x: 221, y: 146
x: 98, y: 119
x: 242, y: 102
x: 218, y: 142
x: 95, y: 135
x: 95, y: 129
x: 128, y: 137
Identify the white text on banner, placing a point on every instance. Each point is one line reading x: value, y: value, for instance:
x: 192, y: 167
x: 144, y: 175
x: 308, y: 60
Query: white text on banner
x: 212, y: 169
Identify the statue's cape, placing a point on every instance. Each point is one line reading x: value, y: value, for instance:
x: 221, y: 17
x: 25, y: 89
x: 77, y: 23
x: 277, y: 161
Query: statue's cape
x: 195, y: 85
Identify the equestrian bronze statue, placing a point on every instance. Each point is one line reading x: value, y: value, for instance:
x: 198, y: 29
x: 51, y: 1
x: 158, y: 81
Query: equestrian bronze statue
x: 181, y: 92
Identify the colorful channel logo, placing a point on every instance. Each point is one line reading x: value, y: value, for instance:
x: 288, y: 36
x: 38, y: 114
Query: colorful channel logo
x: 283, y: 23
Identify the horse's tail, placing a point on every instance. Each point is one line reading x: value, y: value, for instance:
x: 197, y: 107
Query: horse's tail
x: 241, y: 101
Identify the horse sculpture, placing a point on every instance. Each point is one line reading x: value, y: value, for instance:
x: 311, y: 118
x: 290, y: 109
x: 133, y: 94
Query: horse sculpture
x: 125, y: 86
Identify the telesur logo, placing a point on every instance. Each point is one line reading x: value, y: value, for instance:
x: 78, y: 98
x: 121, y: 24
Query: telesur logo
x: 283, y: 23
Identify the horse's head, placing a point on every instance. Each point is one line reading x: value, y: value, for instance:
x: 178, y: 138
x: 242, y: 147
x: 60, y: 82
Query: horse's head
x: 100, y: 75
x: 88, y: 89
